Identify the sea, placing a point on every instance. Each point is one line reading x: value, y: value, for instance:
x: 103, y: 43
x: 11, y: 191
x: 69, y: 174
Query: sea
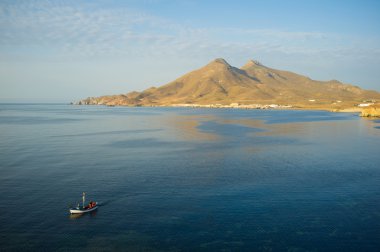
x: 188, y: 179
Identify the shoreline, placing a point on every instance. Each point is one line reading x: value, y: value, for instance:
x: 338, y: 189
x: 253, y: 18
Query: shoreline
x: 355, y: 110
x: 363, y: 108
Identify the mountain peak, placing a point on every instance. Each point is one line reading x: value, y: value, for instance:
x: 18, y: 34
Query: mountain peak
x: 220, y: 61
x: 252, y: 63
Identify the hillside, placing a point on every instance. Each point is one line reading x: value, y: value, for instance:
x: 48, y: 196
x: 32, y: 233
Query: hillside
x: 220, y: 83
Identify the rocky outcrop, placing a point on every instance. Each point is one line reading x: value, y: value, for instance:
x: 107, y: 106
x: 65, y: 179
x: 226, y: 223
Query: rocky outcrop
x: 111, y: 100
x: 371, y: 111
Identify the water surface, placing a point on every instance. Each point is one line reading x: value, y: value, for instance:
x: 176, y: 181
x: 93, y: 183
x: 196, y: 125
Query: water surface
x: 188, y: 179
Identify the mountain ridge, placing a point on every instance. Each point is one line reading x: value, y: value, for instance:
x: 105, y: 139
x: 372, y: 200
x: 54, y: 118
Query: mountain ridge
x: 218, y: 82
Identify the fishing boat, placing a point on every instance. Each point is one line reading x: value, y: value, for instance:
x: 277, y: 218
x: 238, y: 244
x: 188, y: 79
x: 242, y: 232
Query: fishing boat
x: 84, y: 209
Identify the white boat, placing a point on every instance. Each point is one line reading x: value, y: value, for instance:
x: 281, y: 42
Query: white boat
x: 84, y: 209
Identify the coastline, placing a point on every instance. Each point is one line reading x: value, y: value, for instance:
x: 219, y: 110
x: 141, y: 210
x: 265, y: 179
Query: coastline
x: 356, y: 110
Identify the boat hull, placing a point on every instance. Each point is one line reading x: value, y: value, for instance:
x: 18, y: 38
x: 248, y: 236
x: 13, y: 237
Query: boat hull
x: 80, y: 211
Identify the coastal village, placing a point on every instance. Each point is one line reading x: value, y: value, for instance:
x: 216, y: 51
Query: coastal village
x: 234, y: 105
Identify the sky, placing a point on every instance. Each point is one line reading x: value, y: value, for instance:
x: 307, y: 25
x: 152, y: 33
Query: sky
x: 66, y: 50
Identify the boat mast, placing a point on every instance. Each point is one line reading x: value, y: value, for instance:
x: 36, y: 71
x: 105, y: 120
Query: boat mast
x: 84, y: 198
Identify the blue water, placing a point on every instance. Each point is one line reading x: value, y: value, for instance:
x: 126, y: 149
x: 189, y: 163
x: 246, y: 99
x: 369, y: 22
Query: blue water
x: 188, y: 179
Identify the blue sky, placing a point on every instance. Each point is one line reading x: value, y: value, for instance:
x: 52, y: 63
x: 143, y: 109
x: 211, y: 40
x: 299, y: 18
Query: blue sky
x: 62, y: 51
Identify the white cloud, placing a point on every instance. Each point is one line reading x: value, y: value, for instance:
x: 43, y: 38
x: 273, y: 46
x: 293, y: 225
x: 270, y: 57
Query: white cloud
x: 71, y: 29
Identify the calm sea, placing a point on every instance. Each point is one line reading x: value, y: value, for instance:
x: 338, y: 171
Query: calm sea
x: 177, y: 179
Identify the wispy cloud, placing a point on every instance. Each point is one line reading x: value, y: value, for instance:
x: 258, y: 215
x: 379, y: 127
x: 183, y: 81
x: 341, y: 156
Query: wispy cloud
x: 78, y: 28
x: 83, y: 29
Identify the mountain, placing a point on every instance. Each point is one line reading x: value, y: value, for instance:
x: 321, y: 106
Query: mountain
x: 220, y: 83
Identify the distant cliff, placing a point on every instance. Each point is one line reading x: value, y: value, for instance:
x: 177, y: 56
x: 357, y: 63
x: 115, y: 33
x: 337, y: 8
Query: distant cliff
x: 220, y: 83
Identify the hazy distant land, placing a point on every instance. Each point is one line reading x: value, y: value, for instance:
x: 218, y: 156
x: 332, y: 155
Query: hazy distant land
x: 218, y: 84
